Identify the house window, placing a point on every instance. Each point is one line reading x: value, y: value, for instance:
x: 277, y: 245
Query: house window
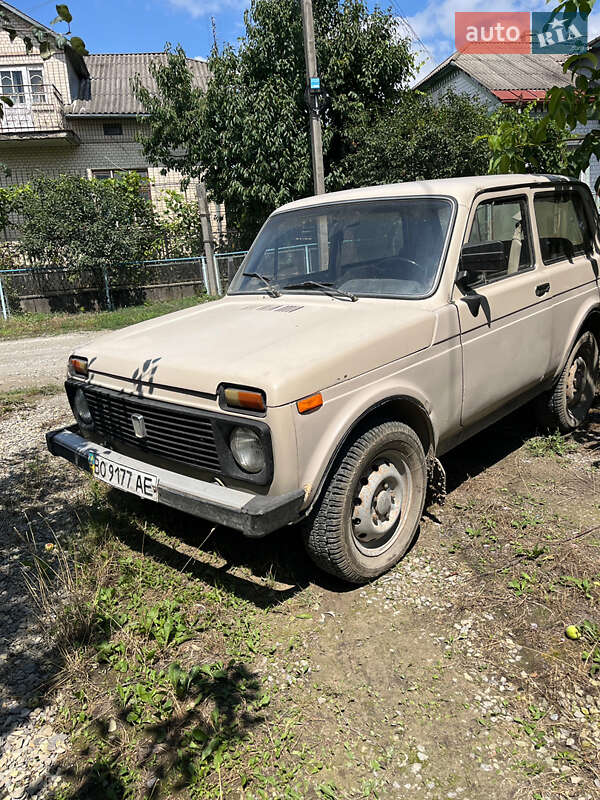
x: 24, y: 85
x: 112, y: 129
x: 104, y: 174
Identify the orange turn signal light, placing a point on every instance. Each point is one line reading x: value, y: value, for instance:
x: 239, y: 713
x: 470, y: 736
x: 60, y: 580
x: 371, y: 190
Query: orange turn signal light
x: 78, y: 366
x: 310, y: 403
x: 244, y: 398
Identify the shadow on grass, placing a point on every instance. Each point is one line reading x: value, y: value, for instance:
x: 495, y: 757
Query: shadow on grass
x: 175, y: 753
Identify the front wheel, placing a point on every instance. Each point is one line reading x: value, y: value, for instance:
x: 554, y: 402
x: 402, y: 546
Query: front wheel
x: 369, y: 512
x: 568, y: 404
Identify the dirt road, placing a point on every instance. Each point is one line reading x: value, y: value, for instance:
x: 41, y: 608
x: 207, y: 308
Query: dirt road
x: 37, y: 361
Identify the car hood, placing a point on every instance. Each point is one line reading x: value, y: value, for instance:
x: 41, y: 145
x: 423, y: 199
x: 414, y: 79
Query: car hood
x: 290, y: 346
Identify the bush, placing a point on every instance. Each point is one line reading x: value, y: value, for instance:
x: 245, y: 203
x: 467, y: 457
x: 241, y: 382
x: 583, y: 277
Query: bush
x: 87, y: 224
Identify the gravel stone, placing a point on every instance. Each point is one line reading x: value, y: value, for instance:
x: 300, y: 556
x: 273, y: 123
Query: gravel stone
x: 30, y: 510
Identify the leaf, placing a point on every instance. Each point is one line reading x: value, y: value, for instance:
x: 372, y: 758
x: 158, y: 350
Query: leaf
x: 6, y: 100
x: 45, y: 50
x: 63, y: 13
x: 78, y: 45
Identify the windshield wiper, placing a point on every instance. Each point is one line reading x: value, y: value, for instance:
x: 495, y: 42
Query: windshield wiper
x: 272, y: 290
x: 328, y: 288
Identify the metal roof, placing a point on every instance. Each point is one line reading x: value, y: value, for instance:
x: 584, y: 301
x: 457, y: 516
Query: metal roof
x: 505, y: 71
x: 109, y: 89
x: 463, y: 189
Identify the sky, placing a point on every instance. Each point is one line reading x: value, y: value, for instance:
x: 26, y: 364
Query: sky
x: 130, y: 26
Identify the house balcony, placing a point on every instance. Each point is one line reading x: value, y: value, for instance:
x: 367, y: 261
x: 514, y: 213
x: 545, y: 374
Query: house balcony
x: 37, y: 112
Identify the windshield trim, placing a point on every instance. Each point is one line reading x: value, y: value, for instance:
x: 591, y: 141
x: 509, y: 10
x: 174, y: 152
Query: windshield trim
x: 440, y: 269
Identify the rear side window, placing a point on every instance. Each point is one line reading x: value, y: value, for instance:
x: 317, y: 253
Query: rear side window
x: 562, y: 225
x: 504, y: 220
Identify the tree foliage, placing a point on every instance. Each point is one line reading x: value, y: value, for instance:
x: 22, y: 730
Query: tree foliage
x: 248, y: 134
x: 519, y: 143
x: 421, y: 139
x: 86, y: 224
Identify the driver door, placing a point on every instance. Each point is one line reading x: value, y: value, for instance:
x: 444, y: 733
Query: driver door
x: 505, y: 319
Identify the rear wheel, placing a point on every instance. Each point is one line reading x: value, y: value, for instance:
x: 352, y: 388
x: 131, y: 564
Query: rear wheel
x: 370, y: 509
x: 568, y: 404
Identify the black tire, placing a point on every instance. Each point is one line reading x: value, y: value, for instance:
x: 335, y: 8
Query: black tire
x: 568, y: 404
x: 389, y: 452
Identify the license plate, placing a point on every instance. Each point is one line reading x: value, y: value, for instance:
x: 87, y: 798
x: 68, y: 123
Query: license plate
x: 130, y: 480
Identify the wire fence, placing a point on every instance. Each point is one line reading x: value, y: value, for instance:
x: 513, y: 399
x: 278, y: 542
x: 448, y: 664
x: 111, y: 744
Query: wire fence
x: 97, y: 287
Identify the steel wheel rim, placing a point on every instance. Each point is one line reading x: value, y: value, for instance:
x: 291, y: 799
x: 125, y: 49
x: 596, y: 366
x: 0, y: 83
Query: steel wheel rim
x: 381, y: 497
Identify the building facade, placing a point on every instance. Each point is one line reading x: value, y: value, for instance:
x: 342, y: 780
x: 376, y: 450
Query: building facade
x: 77, y: 115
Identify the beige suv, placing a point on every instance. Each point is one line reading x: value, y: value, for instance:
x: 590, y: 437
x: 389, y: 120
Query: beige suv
x: 366, y: 333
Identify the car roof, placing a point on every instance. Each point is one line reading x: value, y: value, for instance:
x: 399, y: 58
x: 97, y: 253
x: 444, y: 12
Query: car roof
x: 462, y: 189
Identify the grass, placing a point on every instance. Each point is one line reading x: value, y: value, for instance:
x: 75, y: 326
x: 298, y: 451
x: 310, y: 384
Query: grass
x: 19, y: 326
x: 158, y: 675
x: 24, y: 398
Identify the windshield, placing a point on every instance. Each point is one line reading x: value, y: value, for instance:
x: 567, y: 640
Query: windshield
x: 376, y: 247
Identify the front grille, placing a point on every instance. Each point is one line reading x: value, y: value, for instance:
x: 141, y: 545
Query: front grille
x: 172, y: 432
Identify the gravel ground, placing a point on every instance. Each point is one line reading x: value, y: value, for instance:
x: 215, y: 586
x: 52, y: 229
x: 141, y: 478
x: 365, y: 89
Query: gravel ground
x: 29, y: 742
x: 38, y: 361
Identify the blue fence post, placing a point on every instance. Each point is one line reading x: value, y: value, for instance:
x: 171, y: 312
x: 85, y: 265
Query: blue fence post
x: 5, y: 309
x: 109, y: 302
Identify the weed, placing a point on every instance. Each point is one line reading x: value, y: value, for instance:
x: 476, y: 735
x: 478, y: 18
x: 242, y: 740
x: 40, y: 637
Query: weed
x: 583, y: 584
x: 554, y: 444
x: 522, y: 585
x: 530, y: 553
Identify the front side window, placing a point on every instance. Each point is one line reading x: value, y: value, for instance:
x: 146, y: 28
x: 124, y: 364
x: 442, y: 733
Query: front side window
x: 562, y: 225
x: 504, y: 220
x: 390, y: 248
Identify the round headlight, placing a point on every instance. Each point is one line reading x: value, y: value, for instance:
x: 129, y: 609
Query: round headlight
x: 82, y: 410
x: 247, y: 449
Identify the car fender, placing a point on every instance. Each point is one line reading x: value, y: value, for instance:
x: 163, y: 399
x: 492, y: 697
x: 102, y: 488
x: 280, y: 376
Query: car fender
x: 321, y: 435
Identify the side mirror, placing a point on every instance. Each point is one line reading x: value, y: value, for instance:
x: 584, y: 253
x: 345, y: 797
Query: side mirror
x: 481, y: 257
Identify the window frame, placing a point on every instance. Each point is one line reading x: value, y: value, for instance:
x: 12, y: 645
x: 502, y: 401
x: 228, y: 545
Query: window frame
x: 591, y: 236
x: 485, y: 198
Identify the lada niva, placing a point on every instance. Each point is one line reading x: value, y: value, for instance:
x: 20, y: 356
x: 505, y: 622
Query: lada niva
x: 366, y: 333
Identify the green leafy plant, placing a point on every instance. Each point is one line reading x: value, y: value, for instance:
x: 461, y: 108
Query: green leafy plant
x: 165, y: 623
x: 522, y: 585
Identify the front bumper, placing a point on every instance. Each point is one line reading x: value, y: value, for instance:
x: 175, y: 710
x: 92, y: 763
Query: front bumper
x: 252, y: 514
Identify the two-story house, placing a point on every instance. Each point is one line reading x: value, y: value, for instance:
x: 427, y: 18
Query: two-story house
x: 77, y: 115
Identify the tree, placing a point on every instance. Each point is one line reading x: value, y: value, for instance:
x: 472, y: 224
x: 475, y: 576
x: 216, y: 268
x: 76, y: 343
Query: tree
x: 421, y: 139
x: 519, y: 143
x: 248, y: 134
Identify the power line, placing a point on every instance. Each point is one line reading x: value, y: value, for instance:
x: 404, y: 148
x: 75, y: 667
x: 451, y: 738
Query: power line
x: 401, y: 16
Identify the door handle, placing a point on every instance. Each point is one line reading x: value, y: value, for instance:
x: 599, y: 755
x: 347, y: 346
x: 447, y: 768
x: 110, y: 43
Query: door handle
x: 542, y: 289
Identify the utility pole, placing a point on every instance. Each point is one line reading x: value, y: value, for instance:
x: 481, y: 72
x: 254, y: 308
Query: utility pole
x: 313, y: 88
x: 209, y: 244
